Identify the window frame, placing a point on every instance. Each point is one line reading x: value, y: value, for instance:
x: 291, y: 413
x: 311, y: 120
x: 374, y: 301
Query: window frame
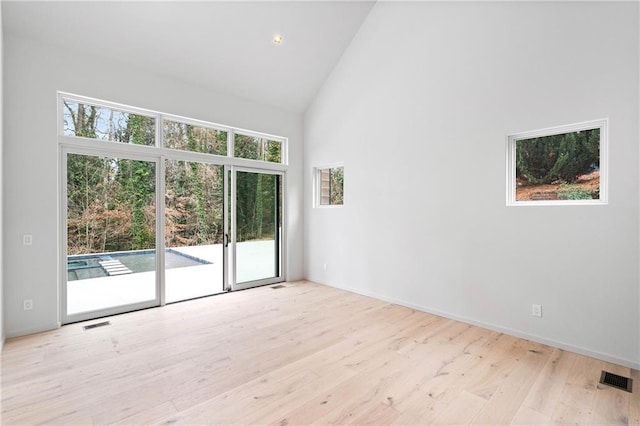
x: 158, y: 148
x: 513, y: 138
x: 67, y: 144
x: 317, y: 182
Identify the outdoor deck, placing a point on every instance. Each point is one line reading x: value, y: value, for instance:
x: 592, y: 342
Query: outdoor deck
x: 255, y: 260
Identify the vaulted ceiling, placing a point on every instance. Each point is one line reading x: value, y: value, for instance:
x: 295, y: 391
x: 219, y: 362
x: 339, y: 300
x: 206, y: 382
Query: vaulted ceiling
x: 223, y: 46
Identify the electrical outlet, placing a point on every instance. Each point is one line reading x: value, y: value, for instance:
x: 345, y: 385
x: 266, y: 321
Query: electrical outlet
x: 27, y: 304
x: 27, y: 239
x: 536, y: 310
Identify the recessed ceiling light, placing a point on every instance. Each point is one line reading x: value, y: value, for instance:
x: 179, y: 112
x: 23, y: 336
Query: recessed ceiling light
x: 277, y: 39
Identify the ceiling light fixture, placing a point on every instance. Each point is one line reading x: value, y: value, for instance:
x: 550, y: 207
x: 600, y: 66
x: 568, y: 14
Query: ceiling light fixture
x: 277, y: 39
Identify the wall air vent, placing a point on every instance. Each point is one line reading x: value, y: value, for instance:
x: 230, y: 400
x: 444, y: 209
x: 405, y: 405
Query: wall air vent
x: 618, y: 382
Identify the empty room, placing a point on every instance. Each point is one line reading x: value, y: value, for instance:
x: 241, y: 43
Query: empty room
x: 320, y: 212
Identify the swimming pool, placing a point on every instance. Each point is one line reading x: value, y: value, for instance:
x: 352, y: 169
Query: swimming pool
x: 81, y: 267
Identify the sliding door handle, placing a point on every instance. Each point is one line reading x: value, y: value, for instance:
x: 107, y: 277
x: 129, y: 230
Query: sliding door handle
x: 226, y: 239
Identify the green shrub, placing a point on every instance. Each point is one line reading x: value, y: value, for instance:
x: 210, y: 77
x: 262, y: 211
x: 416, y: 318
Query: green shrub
x: 568, y: 192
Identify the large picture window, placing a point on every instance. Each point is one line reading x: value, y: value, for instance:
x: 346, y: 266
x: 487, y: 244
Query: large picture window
x: 159, y: 208
x: 561, y: 165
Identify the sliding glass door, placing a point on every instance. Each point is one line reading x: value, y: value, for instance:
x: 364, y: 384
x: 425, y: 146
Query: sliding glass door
x: 114, y: 262
x: 194, y: 230
x: 258, y: 228
x: 111, y: 228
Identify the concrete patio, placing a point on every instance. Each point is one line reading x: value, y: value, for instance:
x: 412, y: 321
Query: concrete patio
x: 255, y: 260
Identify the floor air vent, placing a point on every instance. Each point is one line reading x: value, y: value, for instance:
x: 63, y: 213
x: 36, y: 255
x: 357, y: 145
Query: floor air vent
x: 275, y: 287
x: 96, y: 325
x: 616, y: 381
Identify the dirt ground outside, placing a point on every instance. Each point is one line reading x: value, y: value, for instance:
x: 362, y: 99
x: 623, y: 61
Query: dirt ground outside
x: 524, y: 192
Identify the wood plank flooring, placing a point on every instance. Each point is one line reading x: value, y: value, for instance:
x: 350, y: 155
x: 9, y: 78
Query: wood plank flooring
x: 301, y: 354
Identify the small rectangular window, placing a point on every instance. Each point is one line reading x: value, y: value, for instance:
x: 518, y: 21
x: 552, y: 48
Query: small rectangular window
x: 108, y: 124
x: 562, y: 165
x: 329, y: 186
x: 257, y: 148
x: 188, y: 137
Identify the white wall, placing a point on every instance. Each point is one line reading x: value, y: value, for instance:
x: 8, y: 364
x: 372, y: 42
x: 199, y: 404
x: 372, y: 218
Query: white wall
x: 33, y: 74
x: 418, y: 110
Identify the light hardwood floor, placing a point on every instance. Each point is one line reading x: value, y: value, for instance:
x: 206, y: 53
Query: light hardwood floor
x: 305, y: 353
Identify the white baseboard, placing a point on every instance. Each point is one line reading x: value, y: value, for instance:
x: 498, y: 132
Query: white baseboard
x: 635, y: 364
x: 25, y: 332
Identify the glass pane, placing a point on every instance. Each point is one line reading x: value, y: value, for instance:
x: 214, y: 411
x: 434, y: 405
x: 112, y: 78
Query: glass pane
x: 255, y: 148
x: 194, y: 138
x: 194, y: 229
x: 331, y: 186
x: 111, y: 232
x: 258, y: 213
x: 559, y: 167
x: 107, y: 124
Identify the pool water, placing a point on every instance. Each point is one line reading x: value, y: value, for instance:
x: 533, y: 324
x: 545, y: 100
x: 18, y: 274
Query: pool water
x: 88, y: 266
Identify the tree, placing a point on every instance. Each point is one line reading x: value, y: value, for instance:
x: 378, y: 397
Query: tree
x: 563, y: 157
x: 337, y: 186
x: 111, y: 202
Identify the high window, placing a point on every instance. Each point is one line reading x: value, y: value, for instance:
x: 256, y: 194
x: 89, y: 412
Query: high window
x: 561, y: 165
x: 194, y: 137
x: 329, y: 186
x: 107, y: 124
x: 255, y: 147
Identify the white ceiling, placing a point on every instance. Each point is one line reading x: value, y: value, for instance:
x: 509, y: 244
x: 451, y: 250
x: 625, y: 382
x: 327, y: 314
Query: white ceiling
x: 223, y: 46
